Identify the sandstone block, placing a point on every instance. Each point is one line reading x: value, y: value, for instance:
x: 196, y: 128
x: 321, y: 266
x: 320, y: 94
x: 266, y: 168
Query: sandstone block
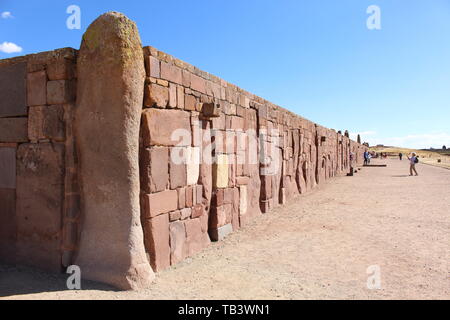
x: 220, y: 171
x: 178, y: 172
x: 60, y: 91
x: 152, y: 67
x: 156, y: 96
x: 192, y: 164
x: 13, y: 130
x: 40, y: 186
x: 197, y: 211
x: 46, y: 122
x: 175, y: 215
x: 155, y: 169
x: 180, y: 97
x: 242, y: 199
x: 61, y: 69
x: 158, y: 203
x: 181, y: 198
x: 172, y: 96
x: 185, y: 213
x: 157, y: 241
x: 189, y: 196
x: 37, y: 88
x: 13, y: 90
x: 171, y: 73
x: 198, y: 83
x: 166, y: 127
x: 178, y: 249
x: 190, y: 102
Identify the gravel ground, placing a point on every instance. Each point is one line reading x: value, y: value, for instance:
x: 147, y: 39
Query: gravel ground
x: 318, y: 246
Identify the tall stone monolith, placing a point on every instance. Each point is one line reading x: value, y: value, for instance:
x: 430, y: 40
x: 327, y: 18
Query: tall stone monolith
x: 111, y: 78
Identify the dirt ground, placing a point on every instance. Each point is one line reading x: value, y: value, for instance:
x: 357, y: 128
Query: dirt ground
x: 318, y: 246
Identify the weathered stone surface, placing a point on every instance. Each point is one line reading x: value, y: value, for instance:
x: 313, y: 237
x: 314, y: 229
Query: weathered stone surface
x: 155, y: 169
x: 195, y: 238
x: 37, y: 88
x: 40, y: 188
x: 158, y: 203
x: 178, y: 172
x: 13, y: 92
x: 13, y: 130
x: 220, y: 171
x: 7, y: 168
x: 61, y: 69
x: 192, y: 164
x: 157, y: 241
x: 111, y: 244
x: 8, y: 227
x: 178, y: 249
x: 174, y: 215
x: 198, y: 84
x: 60, y: 91
x: 171, y: 73
x: 242, y: 200
x: 46, y: 122
x: 197, y: 211
x: 181, y: 198
x: 186, y: 213
x: 152, y: 67
x: 156, y: 96
x: 166, y: 127
x: 190, y: 102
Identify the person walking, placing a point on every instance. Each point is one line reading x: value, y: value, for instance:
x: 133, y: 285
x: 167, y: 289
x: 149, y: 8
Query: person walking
x: 413, y: 160
x: 400, y: 155
x: 366, y: 157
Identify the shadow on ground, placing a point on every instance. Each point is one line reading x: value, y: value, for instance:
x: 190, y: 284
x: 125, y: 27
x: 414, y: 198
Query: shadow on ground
x: 19, y: 280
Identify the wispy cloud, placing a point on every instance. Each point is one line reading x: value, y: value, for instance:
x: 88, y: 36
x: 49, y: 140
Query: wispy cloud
x: 9, y: 47
x: 6, y: 15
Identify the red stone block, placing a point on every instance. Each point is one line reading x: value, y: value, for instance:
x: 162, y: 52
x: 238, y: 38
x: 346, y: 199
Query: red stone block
x: 13, y: 130
x: 266, y: 187
x: 158, y: 203
x: 46, y: 123
x: 61, y: 69
x: 189, y: 196
x: 178, y: 174
x: 181, y: 198
x: 186, y: 78
x: 178, y: 247
x: 37, y: 88
x: 157, y: 241
x: 172, y: 96
x: 190, y: 102
x: 197, y: 211
x: 154, y: 169
x: 60, y: 91
x: 199, y: 194
x: 159, y: 125
x: 156, y: 96
x: 185, y: 213
x: 193, y: 227
x: 171, y: 73
x: 152, y: 67
x: 175, y: 215
x: 198, y: 83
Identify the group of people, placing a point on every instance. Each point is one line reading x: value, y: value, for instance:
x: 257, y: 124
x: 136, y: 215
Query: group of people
x: 413, y: 160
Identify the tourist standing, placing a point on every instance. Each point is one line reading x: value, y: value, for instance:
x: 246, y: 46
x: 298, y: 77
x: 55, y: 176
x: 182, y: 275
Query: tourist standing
x: 413, y: 160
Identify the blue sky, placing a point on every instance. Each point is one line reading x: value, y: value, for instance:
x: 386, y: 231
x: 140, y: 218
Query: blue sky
x: 316, y: 58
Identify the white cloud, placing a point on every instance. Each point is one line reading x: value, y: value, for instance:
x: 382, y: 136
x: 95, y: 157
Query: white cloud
x: 7, y: 15
x: 9, y: 47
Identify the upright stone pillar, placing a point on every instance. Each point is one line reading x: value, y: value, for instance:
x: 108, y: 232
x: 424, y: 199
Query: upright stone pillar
x: 109, y: 102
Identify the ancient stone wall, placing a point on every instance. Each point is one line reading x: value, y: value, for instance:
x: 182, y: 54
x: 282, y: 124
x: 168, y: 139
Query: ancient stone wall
x: 243, y: 156
x: 38, y: 190
x: 211, y: 158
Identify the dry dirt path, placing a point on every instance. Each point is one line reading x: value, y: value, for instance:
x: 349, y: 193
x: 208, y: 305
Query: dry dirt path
x: 318, y: 246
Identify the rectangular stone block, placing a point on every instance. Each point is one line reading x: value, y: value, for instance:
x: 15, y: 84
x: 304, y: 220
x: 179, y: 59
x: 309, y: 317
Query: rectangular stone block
x: 61, y: 69
x: 178, y: 248
x: 166, y: 127
x: 46, y: 122
x: 180, y: 97
x: 13, y: 129
x: 174, y: 215
x: 172, y: 96
x: 158, y: 203
x: 154, y: 169
x: 7, y: 168
x: 220, y: 171
x: 13, y: 90
x: 156, y: 96
x: 171, y: 73
x: 185, y: 213
x: 40, y: 190
x: 189, y: 196
x: 190, y: 102
x: 157, y: 241
x: 37, y: 88
x: 181, y: 198
x: 243, y: 200
x: 60, y: 91
x: 197, y: 211
x: 192, y: 164
x: 152, y: 67
x: 198, y: 83
x: 178, y: 171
